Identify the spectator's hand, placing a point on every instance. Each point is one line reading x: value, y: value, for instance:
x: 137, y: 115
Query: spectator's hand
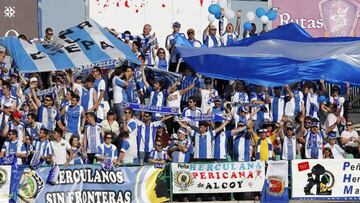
x: 32, y: 85
x: 322, y: 81
x: 238, y: 13
x: 302, y: 118
x: 338, y: 120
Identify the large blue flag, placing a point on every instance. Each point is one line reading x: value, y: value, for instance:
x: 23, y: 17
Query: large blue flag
x: 282, y: 56
x: 80, y: 47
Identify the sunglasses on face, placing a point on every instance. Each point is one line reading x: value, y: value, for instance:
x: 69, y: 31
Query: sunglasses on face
x: 190, y: 33
x: 348, y: 124
x: 158, y: 145
x: 127, y: 112
x: 50, y: 34
x: 108, y: 138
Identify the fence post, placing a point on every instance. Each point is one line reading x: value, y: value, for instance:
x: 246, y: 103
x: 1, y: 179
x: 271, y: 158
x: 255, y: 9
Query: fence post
x: 170, y: 181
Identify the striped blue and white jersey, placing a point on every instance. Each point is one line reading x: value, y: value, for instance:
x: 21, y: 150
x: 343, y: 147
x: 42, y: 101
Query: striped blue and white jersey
x: 93, y: 137
x: 13, y: 147
x: 128, y: 147
x: 277, y: 107
x: 189, y: 112
x: 119, y: 94
x: 229, y: 38
x: 73, y: 118
x: 42, y: 147
x: 87, y: 98
x: 221, y: 144
x: 147, y: 135
x: 107, y: 151
x: 33, y: 131
x: 48, y: 117
x: 179, y: 156
x: 241, y: 147
x: 204, y: 144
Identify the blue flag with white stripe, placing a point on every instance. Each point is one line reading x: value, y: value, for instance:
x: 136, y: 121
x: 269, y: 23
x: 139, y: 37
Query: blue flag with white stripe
x: 284, y: 55
x: 80, y: 47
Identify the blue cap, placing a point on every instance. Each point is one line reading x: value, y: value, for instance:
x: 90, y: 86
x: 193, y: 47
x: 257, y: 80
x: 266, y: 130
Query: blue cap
x: 332, y: 135
x: 217, y: 98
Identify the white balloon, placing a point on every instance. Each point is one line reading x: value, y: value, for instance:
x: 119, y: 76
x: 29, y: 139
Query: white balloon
x: 341, y: 100
x: 211, y: 18
x: 250, y: 16
x: 264, y: 19
x: 229, y: 14
x: 222, y: 3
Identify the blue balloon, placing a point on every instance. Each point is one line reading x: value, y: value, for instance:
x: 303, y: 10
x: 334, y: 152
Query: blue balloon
x: 218, y: 15
x: 214, y: 9
x: 322, y: 99
x: 260, y: 12
x: 247, y: 26
x: 271, y: 14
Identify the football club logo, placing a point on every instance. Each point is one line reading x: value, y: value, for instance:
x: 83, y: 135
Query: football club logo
x: 183, y: 180
x: 3, y: 177
x: 30, y: 186
x: 276, y: 185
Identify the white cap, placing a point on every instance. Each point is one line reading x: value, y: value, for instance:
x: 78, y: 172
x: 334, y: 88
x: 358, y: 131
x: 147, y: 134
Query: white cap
x: 33, y: 79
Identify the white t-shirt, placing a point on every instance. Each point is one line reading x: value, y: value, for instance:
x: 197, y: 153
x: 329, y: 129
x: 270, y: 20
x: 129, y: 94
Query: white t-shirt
x: 347, y: 134
x: 330, y: 120
x: 60, y: 151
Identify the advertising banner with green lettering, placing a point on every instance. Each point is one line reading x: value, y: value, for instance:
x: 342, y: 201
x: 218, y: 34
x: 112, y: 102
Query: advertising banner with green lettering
x: 218, y: 177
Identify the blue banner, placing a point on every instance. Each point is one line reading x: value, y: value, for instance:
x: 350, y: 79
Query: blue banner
x: 149, y: 108
x: 282, y: 56
x: 80, y: 47
x: 90, y: 184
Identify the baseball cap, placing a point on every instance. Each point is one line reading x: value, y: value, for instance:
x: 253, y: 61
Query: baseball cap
x: 176, y: 24
x: 2, y: 49
x: 217, y: 98
x: 33, y: 79
x: 17, y: 114
x: 182, y: 131
x: 332, y: 135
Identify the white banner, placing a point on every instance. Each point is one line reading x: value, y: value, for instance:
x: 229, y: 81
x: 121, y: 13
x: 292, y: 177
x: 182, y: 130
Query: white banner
x: 5, y: 177
x: 326, y: 179
x: 218, y: 177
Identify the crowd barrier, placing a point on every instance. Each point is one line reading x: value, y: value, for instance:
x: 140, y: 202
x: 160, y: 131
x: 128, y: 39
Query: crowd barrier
x: 308, y: 180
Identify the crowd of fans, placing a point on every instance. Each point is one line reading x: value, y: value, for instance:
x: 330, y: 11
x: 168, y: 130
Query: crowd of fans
x: 69, y: 118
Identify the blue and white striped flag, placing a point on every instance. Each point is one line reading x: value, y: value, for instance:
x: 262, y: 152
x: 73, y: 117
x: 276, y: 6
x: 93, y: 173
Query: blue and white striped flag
x: 80, y: 47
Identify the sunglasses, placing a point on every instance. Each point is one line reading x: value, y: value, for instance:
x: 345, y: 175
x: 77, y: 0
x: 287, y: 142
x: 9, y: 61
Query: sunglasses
x: 308, y: 122
x: 190, y: 33
x: 158, y: 145
x: 127, y: 112
x: 348, y: 124
x: 50, y: 34
x: 146, y: 116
